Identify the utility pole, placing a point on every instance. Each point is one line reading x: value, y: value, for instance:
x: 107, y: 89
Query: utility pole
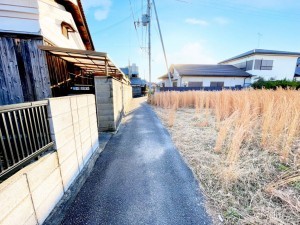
x: 146, y: 21
x: 149, y: 37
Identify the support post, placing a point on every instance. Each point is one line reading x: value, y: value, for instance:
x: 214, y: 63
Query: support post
x: 149, y: 37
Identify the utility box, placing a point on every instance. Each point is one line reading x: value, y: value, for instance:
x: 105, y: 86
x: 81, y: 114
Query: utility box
x: 145, y: 19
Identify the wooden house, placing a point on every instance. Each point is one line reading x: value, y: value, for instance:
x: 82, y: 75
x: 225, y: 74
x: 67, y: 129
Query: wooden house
x: 46, y: 49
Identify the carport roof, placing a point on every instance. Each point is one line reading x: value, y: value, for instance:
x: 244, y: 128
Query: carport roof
x: 91, y: 61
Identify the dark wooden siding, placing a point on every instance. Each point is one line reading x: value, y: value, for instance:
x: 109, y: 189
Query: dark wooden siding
x: 23, y: 70
x: 10, y: 82
x: 36, y: 68
x: 63, y: 75
x: 59, y: 75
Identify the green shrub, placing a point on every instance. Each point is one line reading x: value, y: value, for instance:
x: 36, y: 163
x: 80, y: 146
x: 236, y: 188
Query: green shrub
x: 273, y: 84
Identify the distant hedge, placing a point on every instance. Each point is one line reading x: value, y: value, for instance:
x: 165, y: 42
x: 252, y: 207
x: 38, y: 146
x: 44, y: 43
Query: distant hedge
x: 276, y: 83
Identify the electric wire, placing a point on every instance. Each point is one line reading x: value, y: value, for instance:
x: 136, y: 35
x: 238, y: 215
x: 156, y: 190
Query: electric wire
x: 134, y: 22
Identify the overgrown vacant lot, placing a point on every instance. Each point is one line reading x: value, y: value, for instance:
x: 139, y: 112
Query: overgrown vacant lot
x: 244, y: 146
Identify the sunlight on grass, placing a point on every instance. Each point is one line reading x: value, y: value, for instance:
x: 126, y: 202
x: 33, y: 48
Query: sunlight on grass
x: 247, y: 156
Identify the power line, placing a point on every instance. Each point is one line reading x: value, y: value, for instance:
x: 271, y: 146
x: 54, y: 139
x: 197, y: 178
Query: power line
x: 135, y: 23
x: 113, y: 25
x: 131, y: 11
x: 162, y: 43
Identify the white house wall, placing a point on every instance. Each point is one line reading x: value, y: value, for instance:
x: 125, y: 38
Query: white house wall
x: 19, y: 16
x: 176, y: 74
x: 51, y: 17
x: 176, y: 78
x: 228, y: 81
x: 165, y: 83
x: 39, y: 17
x: 283, y: 66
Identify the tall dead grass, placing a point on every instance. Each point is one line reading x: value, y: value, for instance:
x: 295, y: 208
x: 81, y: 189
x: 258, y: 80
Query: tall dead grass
x: 256, y: 149
x: 273, y: 116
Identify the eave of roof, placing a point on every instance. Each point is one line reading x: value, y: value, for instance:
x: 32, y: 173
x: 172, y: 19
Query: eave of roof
x: 163, y: 76
x: 212, y: 75
x: 261, y: 52
x: 80, y: 20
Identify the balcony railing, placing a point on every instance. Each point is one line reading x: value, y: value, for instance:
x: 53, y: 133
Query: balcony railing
x: 24, y: 135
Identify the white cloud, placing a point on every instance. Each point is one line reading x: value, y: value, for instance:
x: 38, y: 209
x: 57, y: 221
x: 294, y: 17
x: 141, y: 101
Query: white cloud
x: 101, y: 8
x: 221, y: 20
x: 101, y: 14
x: 189, y: 53
x: 216, y: 20
x: 194, y: 21
x: 193, y: 52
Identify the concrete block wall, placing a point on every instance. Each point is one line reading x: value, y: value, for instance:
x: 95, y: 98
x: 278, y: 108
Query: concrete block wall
x: 127, y: 90
x: 29, y: 196
x: 118, y: 100
x: 73, y: 127
x: 113, y: 99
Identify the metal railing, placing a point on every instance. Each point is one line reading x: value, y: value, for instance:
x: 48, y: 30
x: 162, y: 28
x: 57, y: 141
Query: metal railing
x: 24, y: 135
x: 199, y: 88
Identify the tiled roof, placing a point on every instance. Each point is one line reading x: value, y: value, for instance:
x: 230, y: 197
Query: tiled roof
x: 210, y: 70
x: 125, y: 70
x: 261, y: 52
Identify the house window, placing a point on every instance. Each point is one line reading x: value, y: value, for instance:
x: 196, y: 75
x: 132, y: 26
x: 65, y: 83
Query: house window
x: 263, y: 64
x: 266, y: 65
x: 257, y: 64
x: 66, y: 28
x: 217, y: 84
x: 195, y: 84
x: 175, y: 84
x: 249, y: 65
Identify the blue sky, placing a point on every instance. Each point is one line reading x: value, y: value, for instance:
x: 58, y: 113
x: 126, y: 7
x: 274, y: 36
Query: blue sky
x: 194, y: 31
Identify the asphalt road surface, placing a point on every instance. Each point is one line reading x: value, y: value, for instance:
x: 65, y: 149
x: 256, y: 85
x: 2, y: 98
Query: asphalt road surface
x: 140, y: 178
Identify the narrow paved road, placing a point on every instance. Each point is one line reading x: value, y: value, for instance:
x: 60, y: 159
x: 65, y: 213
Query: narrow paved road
x: 140, y: 178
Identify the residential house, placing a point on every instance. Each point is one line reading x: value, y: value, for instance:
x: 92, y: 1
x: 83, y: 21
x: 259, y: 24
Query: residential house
x: 45, y: 49
x: 200, y: 75
x: 268, y: 64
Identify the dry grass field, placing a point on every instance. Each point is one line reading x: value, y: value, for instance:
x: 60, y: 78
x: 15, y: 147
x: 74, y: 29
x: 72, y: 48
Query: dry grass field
x: 244, y: 147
